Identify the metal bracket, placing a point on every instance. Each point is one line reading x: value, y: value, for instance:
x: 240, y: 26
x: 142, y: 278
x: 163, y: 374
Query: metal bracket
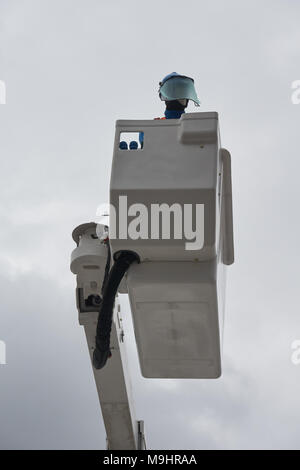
x: 141, y: 436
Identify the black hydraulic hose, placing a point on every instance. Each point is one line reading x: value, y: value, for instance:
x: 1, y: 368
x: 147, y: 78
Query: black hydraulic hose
x: 107, y: 268
x: 123, y: 260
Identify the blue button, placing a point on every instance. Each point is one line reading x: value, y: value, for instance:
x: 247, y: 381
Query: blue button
x: 133, y: 145
x: 123, y: 145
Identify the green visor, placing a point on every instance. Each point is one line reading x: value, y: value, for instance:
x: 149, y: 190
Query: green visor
x: 179, y: 88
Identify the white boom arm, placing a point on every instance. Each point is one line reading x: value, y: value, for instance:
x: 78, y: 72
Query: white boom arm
x: 88, y: 260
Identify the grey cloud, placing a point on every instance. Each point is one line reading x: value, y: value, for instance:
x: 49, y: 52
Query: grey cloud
x: 71, y: 69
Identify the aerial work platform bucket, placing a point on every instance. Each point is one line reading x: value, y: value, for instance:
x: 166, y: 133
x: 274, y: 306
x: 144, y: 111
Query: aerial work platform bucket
x: 171, y: 204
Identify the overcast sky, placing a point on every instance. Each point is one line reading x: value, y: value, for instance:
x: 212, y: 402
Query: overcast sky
x: 71, y: 68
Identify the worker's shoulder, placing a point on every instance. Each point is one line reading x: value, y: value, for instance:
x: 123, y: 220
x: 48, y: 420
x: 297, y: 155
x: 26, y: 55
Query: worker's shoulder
x: 158, y: 118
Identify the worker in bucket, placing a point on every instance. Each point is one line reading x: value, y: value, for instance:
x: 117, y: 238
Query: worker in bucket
x: 175, y: 90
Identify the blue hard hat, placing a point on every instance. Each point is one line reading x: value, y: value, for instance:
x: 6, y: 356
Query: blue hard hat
x: 178, y: 87
x: 170, y: 75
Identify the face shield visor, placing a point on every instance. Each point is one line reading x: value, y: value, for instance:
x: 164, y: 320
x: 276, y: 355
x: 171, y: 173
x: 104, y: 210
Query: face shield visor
x: 178, y: 88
